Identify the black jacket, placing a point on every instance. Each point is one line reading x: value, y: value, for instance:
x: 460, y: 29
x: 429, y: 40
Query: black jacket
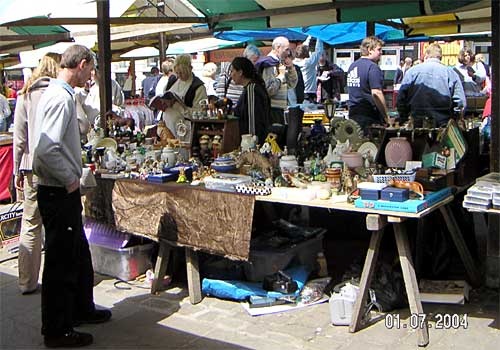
x: 253, y: 110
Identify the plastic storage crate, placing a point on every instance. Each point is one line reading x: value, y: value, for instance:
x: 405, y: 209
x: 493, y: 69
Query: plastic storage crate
x: 112, y: 253
x: 385, y: 178
x: 122, y: 263
x: 266, y: 262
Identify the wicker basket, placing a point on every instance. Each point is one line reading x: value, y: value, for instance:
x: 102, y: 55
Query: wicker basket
x: 388, y: 177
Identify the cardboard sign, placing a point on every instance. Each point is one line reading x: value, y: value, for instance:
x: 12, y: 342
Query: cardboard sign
x: 10, y: 225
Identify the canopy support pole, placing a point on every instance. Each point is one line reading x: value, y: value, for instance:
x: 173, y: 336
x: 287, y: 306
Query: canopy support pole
x: 160, y: 8
x: 104, y: 59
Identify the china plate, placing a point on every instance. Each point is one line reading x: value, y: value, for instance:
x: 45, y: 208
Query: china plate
x: 107, y: 142
x: 368, y: 147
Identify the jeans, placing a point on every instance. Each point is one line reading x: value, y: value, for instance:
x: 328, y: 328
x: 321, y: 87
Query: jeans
x: 4, y: 124
x: 68, y: 275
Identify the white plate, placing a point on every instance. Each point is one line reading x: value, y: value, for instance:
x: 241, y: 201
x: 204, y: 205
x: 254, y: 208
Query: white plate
x: 107, y: 142
x: 368, y: 147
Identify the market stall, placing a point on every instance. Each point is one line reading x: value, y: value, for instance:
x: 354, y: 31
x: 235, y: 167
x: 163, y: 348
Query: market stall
x: 171, y: 214
x: 6, y: 165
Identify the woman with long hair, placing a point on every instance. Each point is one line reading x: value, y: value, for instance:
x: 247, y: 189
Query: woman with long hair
x: 254, y: 106
x: 30, y: 242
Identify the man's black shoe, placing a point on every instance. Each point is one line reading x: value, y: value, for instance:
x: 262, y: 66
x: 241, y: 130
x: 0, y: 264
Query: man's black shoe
x: 98, y: 316
x: 72, y: 339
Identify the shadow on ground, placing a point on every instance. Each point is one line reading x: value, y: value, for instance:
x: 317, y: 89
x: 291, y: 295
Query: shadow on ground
x: 136, y: 321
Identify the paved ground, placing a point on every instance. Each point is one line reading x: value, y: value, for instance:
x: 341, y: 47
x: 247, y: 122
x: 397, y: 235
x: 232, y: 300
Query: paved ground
x: 168, y: 321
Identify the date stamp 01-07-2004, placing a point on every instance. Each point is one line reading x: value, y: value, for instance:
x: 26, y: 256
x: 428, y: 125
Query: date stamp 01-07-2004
x: 419, y: 321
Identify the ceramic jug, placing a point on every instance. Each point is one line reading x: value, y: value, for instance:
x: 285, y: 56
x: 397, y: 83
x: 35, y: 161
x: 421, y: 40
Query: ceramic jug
x: 288, y: 164
x: 168, y: 156
x: 397, y: 152
x: 248, y: 142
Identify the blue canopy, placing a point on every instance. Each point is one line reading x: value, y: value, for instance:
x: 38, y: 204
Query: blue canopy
x: 333, y: 34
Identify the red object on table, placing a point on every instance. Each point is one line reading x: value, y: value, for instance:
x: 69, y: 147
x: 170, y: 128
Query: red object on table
x: 6, y: 165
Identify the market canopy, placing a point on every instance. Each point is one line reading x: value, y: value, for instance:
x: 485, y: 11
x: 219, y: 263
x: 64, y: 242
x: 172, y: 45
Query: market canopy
x: 333, y: 34
x: 26, y: 25
x: 261, y: 14
x: 471, y: 21
x: 136, y: 23
x: 198, y: 45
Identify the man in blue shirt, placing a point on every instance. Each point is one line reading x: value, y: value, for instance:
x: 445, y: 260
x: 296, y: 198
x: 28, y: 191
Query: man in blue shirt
x: 307, y: 64
x: 364, y: 85
x: 430, y: 90
x: 149, y: 84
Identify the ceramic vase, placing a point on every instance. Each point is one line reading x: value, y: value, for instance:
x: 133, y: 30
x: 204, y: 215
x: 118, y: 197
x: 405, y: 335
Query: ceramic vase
x: 168, y: 157
x: 352, y: 159
x: 397, y: 152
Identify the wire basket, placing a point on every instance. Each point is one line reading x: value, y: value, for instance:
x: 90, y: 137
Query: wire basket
x: 385, y: 178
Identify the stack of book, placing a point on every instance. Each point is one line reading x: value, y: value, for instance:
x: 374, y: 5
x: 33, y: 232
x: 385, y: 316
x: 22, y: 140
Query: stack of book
x: 484, y: 194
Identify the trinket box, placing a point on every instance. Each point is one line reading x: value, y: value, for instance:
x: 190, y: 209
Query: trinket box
x: 371, y: 194
x: 395, y: 194
x: 160, y: 178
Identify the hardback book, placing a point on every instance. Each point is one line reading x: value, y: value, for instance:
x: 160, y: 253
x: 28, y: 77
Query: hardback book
x: 442, y: 291
x: 408, y: 206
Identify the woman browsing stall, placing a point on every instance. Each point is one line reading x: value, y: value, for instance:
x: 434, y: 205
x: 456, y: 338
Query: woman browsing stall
x: 254, y: 106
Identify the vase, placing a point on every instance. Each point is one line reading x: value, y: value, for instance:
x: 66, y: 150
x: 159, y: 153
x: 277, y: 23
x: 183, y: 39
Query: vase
x: 168, y: 157
x: 397, y: 152
x: 352, y: 159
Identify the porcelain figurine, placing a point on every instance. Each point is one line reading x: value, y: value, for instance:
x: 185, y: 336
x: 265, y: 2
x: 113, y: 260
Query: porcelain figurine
x: 182, y: 176
x: 272, y: 140
x: 248, y: 142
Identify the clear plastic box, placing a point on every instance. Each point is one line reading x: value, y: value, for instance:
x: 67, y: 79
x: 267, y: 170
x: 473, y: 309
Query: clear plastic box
x: 122, y: 263
x: 226, y: 182
x: 266, y: 262
x: 385, y: 178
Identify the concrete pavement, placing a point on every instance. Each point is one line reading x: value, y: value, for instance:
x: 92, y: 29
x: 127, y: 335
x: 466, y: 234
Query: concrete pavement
x: 168, y: 321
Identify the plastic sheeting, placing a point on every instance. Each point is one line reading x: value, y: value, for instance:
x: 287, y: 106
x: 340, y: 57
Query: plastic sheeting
x: 241, y: 290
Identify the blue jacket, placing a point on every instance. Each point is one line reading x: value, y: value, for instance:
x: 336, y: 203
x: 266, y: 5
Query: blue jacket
x: 430, y: 89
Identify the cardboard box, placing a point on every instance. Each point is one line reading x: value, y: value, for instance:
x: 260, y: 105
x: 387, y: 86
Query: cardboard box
x: 434, y: 160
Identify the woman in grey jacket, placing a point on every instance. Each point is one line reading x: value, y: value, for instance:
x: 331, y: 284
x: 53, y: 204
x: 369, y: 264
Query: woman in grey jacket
x: 30, y: 242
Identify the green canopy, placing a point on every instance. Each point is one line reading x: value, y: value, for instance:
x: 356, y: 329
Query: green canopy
x: 260, y: 14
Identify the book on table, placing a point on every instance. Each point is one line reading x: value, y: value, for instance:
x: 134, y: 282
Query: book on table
x: 408, y: 206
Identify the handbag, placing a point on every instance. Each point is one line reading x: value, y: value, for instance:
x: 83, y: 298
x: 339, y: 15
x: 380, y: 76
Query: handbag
x: 280, y: 282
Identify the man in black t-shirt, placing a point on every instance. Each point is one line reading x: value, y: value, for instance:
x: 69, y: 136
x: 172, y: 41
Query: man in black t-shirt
x: 364, y: 85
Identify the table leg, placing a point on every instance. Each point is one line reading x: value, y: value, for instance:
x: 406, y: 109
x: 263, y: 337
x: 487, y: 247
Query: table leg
x: 458, y: 239
x: 410, y: 279
x: 364, y: 283
x: 193, y: 276
x: 160, y: 266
